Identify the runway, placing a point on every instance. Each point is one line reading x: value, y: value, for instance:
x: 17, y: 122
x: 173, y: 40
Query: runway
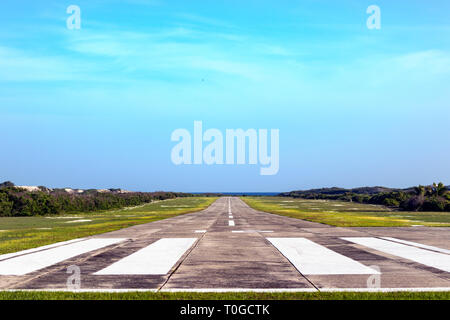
x: 231, y: 247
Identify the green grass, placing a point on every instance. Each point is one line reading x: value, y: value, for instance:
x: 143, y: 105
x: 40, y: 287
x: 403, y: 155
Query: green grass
x: 346, y: 214
x: 20, y: 233
x: 39, y: 295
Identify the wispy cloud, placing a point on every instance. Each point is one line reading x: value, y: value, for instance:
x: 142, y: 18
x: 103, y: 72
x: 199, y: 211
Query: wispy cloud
x: 175, y: 51
x: 16, y: 65
x: 197, y: 19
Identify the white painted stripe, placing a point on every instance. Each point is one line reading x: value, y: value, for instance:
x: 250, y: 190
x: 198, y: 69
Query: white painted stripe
x: 415, y: 244
x: 237, y: 231
x: 431, y: 289
x: 219, y: 290
x: 155, y: 259
x: 23, y: 252
x: 433, y: 259
x: 200, y: 231
x: 231, y: 223
x: 22, y: 265
x: 82, y: 290
x: 230, y: 217
x: 311, y: 258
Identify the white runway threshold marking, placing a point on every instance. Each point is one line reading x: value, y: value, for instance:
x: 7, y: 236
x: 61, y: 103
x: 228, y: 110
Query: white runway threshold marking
x: 311, y: 258
x: 415, y: 244
x: 155, y: 259
x: 23, y: 252
x: 429, y: 258
x: 21, y: 265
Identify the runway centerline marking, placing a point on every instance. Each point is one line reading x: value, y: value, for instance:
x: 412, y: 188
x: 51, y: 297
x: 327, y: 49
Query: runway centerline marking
x: 433, y: 259
x: 155, y: 259
x: 311, y: 258
x: 24, y: 264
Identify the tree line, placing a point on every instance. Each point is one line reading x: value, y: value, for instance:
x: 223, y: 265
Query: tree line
x: 435, y: 197
x: 17, y: 202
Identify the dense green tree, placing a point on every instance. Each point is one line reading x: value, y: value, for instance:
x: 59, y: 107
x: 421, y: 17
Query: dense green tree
x: 421, y: 198
x: 19, y: 202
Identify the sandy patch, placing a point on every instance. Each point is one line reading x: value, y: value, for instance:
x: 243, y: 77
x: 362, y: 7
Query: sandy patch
x: 75, y: 217
x: 75, y: 221
x: 180, y: 206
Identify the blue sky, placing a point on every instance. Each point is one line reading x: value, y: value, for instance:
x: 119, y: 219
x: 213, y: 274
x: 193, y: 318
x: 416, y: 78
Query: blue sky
x: 95, y: 107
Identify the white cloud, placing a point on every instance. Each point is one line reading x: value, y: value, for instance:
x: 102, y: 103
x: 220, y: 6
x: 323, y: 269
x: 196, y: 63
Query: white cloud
x: 430, y: 62
x: 18, y: 66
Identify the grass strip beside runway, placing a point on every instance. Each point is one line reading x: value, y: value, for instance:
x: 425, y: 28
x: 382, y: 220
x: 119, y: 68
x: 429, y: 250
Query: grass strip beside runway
x: 346, y: 214
x: 20, y: 233
x: 40, y: 295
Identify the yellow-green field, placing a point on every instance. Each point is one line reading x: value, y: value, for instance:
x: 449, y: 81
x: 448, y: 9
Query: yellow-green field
x: 346, y: 214
x: 20, y: 233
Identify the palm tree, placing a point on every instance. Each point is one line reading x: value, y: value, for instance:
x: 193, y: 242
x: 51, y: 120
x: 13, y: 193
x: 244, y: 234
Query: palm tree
x: 420, y: 190
x: 439, y: 189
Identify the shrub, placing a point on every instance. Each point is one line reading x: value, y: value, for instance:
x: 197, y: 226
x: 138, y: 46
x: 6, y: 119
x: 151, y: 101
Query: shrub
x: 434, y: 204
x: 390, y: 202
x: 414, y: 203
x: 18, y: 202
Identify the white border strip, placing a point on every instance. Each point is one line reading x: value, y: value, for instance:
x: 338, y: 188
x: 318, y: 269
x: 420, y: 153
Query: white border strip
x: 437, y: 289
x: 220, y: 290
x: 81, y: 290
x: 225, y: 290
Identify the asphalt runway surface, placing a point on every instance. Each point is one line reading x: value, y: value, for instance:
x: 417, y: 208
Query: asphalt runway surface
x: 232, y: 247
